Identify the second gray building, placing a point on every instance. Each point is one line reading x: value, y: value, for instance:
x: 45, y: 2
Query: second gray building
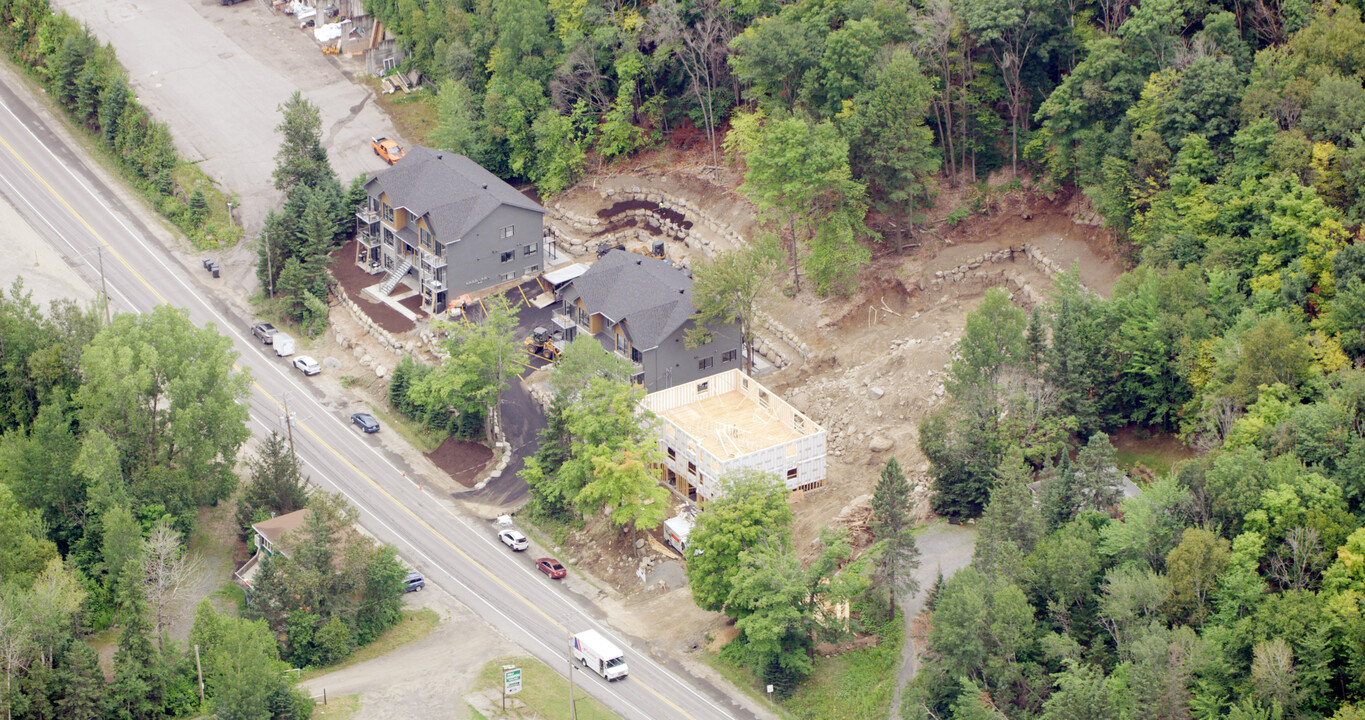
x: 641, y: 309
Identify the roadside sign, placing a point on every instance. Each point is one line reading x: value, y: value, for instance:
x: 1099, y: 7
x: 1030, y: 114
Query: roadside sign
x: 511, y: 679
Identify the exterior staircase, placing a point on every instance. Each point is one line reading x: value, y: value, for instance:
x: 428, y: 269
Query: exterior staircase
x: 396, y: 274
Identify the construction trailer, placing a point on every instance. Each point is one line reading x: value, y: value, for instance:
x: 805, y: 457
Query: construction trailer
x: 715, y: 426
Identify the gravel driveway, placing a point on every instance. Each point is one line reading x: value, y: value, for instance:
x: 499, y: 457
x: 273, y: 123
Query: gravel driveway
x: 943, y: 548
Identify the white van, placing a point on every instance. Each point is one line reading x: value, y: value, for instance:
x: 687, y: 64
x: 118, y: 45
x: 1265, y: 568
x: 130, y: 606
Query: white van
x: 284, y: 344
x: 676, y: 530
x: 599, y: 654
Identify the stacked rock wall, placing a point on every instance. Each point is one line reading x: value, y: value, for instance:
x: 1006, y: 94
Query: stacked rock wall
x: 990, y: 269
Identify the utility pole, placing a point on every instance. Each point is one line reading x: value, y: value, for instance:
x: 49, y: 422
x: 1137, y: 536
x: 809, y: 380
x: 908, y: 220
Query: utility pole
x: 289, y: 423
x: 269, y: 264
x: 104, y: 290
x: 573, y: 710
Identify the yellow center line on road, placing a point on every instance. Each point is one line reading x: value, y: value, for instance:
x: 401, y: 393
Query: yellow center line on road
x: 427, y: 526
x: 98, y: 238
x: 414, y: 515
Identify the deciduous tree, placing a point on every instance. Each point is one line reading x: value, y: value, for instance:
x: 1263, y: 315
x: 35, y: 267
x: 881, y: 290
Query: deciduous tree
x: 167, y: 570
x: 729, y: 288
x: 751, y: 506
x: 797, y: 175
x: 1193, y: 567
x: 481, y: 357
x: 167, y: 394
x: 890, y: 148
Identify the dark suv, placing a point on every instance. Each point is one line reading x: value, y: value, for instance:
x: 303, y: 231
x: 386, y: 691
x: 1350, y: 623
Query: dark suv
x: 413, y: 582
x: 265, y: 332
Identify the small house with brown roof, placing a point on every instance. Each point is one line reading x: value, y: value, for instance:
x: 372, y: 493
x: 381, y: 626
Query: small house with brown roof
x: 270, y: 536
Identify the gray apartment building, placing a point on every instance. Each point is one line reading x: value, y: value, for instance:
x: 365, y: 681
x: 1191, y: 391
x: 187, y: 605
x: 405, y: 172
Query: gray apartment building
x: 641, y: 308
x: 444, y: 220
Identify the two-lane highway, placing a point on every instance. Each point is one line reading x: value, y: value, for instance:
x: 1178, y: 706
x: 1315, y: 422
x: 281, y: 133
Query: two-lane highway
x: 51, y: 184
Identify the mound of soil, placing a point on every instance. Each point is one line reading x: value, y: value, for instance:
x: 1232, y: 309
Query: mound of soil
x: 628, y: 223
x: 625, y: 205
x: 462, y: 460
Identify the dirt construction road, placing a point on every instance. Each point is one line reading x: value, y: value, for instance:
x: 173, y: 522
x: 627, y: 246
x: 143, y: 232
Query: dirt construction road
x: 424, y: 679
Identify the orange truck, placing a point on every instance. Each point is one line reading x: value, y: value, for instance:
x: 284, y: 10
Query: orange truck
x: 387, y: 149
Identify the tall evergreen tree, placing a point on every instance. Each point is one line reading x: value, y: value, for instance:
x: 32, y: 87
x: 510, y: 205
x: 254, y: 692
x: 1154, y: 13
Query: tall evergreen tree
x: 82, y: 695
x: 1012, y: 523
x: 1059, y: 493
x: 276, y: 487
x: 139, y: 688
x: 301, y: 159
x: 894, y: 527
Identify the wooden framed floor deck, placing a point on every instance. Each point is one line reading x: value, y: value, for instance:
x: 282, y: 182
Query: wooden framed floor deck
x: 731, y: 424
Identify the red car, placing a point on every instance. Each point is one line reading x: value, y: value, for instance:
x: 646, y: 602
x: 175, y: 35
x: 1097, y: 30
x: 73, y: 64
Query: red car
x: 551, y: 567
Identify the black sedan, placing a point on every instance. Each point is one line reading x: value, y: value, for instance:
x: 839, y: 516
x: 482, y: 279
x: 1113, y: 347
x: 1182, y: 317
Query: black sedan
x: 366, y: 422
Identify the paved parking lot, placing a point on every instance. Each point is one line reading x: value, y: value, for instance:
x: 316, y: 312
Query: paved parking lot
x: 218, y: 74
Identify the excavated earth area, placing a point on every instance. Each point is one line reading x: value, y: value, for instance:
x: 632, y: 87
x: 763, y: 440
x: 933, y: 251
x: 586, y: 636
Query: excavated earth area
x: 870, y: 366
x: 867, y: 367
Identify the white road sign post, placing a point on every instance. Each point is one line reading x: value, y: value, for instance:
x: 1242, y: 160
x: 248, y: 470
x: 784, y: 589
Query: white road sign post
x: 511, y: 682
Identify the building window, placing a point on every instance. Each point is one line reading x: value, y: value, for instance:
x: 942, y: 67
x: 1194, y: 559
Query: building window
x: 507, y: 232
x: 622, y: 344
x: 703, y: 387
x: 691, y: 468
x: 791, y: 474
x: 729, y: 356
x: 635, y: 356
x: 762, y: 398
x: 424, y: 236
x: 672, y: 454
x: 507, y: 276
x: 531, y: 249
x: 533, y: 269
x: 388, y: 212
x: 507, y: 256
x: 706, y: 363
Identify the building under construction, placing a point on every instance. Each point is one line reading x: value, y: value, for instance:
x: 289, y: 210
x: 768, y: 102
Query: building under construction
x: 714, y: 426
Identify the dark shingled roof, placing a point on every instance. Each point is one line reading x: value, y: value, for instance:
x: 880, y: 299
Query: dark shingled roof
x: 456, y: 191
x: 651, y: 296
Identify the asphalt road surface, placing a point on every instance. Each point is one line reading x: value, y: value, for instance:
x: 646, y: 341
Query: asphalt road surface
x: 48, y: 181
